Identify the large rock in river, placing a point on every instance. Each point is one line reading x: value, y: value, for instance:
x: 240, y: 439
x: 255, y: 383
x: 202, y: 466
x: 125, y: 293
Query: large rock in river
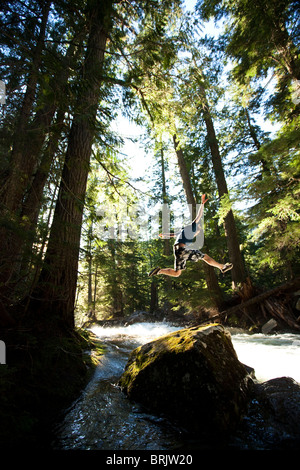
x: 193, y: 376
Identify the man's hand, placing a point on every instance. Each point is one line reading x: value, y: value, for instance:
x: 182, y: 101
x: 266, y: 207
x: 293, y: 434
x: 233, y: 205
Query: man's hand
x: 203, y: 200
x: 167, y: 235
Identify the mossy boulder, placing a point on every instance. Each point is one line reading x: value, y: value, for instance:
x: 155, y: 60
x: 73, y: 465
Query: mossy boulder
x: 192, y: 376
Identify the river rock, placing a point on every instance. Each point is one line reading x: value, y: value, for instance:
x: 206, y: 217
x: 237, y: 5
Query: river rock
x: 269, y: 326
x: 280, y: 398
x: 139, y: 316
x: 193, y: 376
x: 273, y: 417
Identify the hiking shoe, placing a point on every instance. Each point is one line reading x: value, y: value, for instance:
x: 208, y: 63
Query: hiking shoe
x: 226, y: 267
x: 153, y: 272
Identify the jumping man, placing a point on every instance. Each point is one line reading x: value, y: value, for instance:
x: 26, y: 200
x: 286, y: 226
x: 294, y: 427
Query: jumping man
x: 182, y: 254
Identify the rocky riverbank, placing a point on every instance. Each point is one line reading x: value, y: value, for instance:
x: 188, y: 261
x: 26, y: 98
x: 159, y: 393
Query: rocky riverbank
x: 194, y: 377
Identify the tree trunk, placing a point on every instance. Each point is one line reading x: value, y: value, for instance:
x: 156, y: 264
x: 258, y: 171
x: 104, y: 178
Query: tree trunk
x: 286, y: 49
x: 55, y: 292
x: 153, y: 297
x: 252, y: 130
x: 32, y: 201
x: 38, y: 167
x: 238, y: 271
x: 21, y: 168
x: 166, y: 241
x: 267, y: 167
x: 90, y: 274
x: 210, y: 275
x: 186, y: 181
x: 95, y: 288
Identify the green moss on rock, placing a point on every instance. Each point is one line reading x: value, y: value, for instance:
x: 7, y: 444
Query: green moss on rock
x: 193, y: 376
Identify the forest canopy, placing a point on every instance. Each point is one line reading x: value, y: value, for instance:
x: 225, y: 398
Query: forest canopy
x: 210, y: 94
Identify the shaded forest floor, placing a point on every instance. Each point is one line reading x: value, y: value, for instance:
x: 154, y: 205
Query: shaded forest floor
x: 42, y: 377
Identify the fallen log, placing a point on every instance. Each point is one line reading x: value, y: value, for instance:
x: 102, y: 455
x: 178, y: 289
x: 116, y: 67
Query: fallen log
x: 281, y: 313
x: 261, y: 298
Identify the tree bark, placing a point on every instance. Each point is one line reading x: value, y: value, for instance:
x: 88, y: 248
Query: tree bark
x: 238, y: 271
x: 33, y: 200
x: 166, y: 242
x: 286, y: 49
x: 252, y: 130
x: 56, y: 289
x: 21, y: 168
x: 153, y: 297
x: 186, y: 181
x: 42, y: 126
x: 20, y: 242
x: 90, y: 263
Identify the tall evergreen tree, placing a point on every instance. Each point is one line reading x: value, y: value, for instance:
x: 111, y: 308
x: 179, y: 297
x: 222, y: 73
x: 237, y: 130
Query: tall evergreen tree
x: 17, y: 175
x: 274, y: 217
x: 56, y: 287
x: 261, y: 36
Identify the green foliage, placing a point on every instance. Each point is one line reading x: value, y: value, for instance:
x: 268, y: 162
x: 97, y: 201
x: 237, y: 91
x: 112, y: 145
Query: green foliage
x: 261, y: 36
x: 275, y: 218
x: 162, y: 72
x: 225, y: 207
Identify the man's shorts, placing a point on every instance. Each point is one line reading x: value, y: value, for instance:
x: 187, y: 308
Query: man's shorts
x: 182, y: 255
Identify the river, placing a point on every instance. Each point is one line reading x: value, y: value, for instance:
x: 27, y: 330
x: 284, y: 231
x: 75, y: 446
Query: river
x: 104, y: 419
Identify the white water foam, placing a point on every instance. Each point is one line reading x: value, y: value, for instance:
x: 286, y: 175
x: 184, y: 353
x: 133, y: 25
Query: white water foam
x: 270, y: 356
x: 140, y: 332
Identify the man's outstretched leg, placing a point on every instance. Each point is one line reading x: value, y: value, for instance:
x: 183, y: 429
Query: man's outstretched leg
x: 167, y: 271
x: 223, y: 267
x: 173, y: 273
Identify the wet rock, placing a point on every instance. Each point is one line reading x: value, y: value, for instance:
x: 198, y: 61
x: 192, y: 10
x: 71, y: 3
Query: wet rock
x: 273, y: 417
x: 138, y: 316
x: 193, y: 376
x: 281, y: 400
x: 269, y: 326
